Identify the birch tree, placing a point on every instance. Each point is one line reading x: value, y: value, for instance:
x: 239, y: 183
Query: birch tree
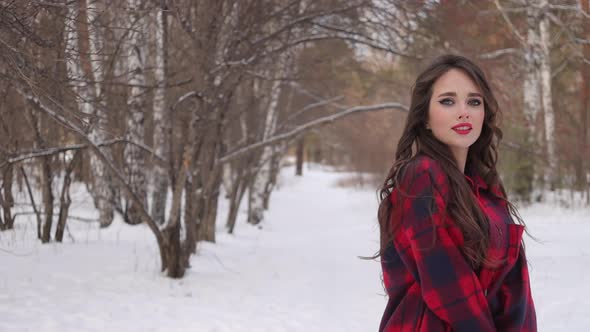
x: 102, y: 186
x: 85, y: 66
x: 162, y: 120
x: 582, y: 164
x: 260, y: 188
x: 135, y: 54
x: 536, y: 49
x: 546, y: 96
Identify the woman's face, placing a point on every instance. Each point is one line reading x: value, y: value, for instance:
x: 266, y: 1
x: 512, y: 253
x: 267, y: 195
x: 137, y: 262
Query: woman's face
x: 456, y: 100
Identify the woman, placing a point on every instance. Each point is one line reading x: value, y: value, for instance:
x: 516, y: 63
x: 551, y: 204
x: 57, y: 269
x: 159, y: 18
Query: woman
x: 451, y: 254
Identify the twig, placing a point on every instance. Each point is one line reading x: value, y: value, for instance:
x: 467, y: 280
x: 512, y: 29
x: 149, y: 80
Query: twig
x: 507, y: 19
x: 26, y: 213
x: 56, y: 150
x: 498, y: 53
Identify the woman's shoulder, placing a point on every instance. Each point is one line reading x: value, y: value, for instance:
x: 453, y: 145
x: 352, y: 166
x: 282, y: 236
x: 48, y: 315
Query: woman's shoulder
x: 421, y: 189
x: 424, y: 168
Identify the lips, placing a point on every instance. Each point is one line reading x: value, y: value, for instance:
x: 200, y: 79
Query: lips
x: 463, y: 128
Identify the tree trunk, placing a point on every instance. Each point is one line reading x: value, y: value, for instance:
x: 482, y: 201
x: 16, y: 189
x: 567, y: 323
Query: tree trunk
x: 234, y: 205
x: 193, y: 192
x: 259, y: 188
x: 175, y: 267
x: 237, y: 194
x: 210, y: 216
x: 84, y: 43
x: 532, y: 101
x: 8, y: 199
x: 65, y: 200
x: 172, y: 249
x: 581, y: 169
x: 177, y: 254
x: 275, y: 167
x: 101, y: 182
x: 190, y: 218
x: 236, y: 174
x: 299, y: 153
x: 162, y: 120
x: 134, y: 158
x: 46, y: 182
x: 546, y: 98
x: 208, y: 212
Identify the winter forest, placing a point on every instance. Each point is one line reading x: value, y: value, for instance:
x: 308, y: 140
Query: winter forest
x: 212, y: 165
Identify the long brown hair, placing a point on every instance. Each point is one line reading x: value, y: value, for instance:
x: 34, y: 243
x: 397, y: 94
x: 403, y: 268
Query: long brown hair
x: 462, y: 206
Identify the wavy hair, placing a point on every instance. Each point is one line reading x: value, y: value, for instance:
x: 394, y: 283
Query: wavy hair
x: 482, y: 156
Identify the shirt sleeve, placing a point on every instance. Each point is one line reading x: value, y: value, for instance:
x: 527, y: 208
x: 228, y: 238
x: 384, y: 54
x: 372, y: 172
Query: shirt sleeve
x: 449, y: 286
x: 518, y: 309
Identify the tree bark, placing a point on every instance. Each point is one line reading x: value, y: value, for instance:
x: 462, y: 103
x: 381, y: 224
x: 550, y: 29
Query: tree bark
x: 207, y: 228
x: 299, y: 153
x: 275, y: 167
x: 581, y: 168
x: 84, y: 62
x: 208, y: 208
x: 134, y: 157
x: 261, y: 184
x: 65, y: 199
x: 190, y: 217
x: 162, y: 120
x: 175, y: 266
x: 46, y: 182
x: 235, y: 197
x: 532, y: 98
x: 8, y: 199
x: 546, y: 97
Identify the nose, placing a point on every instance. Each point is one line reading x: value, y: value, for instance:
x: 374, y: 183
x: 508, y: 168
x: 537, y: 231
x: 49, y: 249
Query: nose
x: 463, y: 114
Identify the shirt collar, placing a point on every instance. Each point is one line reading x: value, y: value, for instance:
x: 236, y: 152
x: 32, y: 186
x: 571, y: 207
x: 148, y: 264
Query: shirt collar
x: 475, y: 180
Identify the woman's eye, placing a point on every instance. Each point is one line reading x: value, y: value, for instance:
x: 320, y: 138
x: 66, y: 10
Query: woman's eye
x: 446, y: 101
x: 475, y: 102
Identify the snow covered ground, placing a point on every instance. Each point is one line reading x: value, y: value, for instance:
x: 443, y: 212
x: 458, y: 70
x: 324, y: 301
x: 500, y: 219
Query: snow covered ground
x: 298, y: 272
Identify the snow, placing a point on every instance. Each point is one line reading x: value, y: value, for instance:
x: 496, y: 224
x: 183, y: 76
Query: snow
x: 299, y: 271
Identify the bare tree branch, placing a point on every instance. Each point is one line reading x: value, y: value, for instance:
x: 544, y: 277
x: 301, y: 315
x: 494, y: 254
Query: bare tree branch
x: 509, y: 22
x: 318, y: 122
x: 56, y: 150
x: 27, y: 213
x: 577, y: 9
x: 186, y: 96
x: 108, y: 163
x: 305, y: 18
x: 498, y: 53
x: 307, y: 108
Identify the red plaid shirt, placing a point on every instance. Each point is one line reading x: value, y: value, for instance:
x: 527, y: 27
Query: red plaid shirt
x: 431, y: 286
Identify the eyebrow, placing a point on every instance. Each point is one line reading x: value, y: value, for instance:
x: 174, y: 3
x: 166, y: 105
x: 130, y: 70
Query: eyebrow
x: 453, y: 94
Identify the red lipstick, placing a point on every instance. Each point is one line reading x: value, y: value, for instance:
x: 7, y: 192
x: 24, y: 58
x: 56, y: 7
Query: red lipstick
x: 463, y: 128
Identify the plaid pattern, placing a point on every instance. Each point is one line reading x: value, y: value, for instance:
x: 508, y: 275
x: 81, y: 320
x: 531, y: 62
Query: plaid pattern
x: 431, y: 286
